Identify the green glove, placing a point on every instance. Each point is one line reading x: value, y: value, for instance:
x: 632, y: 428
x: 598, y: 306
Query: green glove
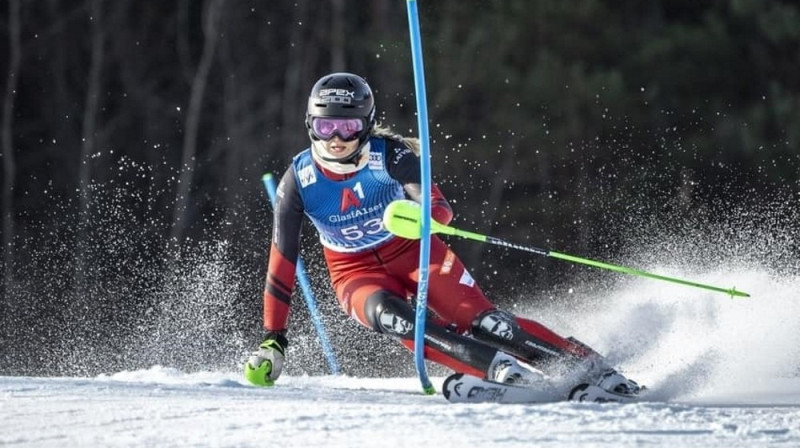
x: 265, y: 365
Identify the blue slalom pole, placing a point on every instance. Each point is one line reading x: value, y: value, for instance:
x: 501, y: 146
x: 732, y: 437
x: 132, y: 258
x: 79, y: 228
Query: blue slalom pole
x: 308, y: 293
x: 425, y: 171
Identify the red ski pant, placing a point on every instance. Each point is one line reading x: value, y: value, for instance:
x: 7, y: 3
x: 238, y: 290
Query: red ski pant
x: 453, y: 294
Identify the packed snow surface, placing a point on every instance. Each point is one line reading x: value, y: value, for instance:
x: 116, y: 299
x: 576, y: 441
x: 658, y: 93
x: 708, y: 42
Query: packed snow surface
x: 164, y: 407
x: 722, y: 373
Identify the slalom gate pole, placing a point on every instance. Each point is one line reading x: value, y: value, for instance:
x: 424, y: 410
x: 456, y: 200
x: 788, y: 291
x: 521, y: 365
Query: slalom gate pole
x: 308, y: 293
x: 425, y: 175
x: 402, y: 218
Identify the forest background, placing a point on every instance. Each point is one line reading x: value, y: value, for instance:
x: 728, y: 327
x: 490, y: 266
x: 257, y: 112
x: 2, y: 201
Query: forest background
x: 135, y: 227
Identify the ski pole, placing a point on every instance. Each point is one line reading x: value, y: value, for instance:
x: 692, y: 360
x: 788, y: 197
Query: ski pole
x: 308, y: 293
x: 402, y: 219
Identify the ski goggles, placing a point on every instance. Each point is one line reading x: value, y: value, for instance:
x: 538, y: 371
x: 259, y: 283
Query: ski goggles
x: 346, y: 128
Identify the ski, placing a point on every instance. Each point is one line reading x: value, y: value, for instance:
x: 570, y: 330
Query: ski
x: 462, y: 388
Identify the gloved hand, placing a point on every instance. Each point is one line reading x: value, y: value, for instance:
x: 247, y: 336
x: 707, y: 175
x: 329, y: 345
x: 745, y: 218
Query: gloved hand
x: 402, y: 217
x: 264, y: 366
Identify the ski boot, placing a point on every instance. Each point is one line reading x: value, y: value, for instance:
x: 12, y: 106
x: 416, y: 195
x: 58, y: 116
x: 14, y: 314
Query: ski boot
x: 612, y: 381
x: 509, y: 370
x: 606, y: 385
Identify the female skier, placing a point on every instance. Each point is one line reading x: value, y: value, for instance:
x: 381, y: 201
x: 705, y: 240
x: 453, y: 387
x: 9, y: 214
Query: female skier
x: 343, y: 182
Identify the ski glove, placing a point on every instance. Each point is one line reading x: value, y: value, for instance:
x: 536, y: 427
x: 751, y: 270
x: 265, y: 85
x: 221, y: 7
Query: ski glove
x: 264, y: 366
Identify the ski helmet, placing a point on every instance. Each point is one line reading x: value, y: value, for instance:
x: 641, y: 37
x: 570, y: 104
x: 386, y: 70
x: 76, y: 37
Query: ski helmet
x: 342, y: 95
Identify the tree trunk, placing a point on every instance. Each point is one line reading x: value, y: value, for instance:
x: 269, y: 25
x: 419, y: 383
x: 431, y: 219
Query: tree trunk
x: 504, y: 170
x: 193, y: 114
x: 293, y: 110
x: 88, y: 139
x: 338, y: 59
x: 9, y: 168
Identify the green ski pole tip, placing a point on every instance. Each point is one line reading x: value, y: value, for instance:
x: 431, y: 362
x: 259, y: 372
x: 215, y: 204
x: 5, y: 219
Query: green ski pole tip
x: 430, y: 390
x: 734, y: 293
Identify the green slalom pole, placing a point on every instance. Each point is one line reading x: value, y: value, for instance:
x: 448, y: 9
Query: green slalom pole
x: 402, y: 218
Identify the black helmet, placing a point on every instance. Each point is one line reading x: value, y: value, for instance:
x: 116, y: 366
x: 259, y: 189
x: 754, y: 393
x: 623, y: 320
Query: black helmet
x: 342, y: 95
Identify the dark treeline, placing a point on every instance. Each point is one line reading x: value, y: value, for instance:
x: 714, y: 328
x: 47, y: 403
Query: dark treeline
x: 135, y: 134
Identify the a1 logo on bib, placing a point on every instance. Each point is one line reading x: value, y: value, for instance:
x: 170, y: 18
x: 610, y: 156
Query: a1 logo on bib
x: 351, y: 197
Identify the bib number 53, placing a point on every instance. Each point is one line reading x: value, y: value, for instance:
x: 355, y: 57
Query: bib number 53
x: 356, y: 232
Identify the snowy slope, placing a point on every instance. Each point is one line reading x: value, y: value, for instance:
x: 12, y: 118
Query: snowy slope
x: 723, y: 373
x: 164, y: 407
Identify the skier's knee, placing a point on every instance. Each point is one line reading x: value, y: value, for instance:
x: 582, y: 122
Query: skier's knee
x: 495, y: 324
x: 387, y: 313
